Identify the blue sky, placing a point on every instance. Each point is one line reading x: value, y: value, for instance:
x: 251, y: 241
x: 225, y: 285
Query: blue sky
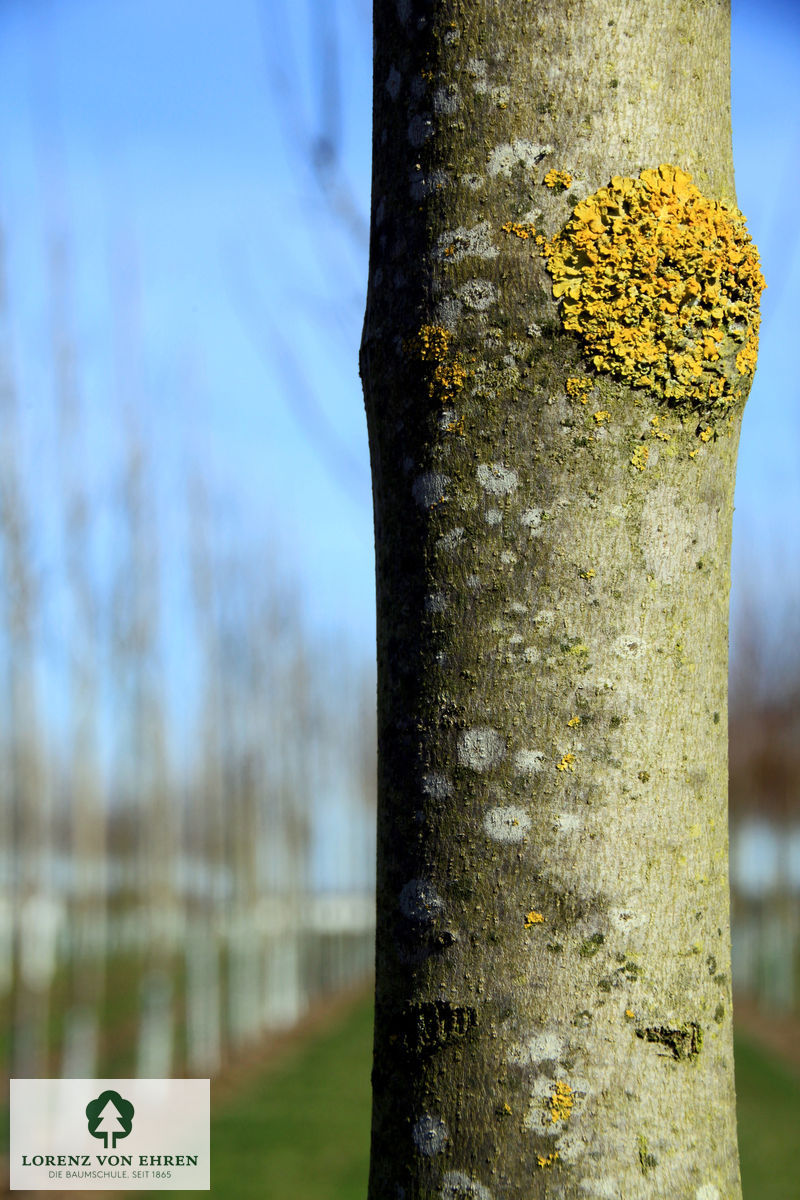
x: 155, y: 134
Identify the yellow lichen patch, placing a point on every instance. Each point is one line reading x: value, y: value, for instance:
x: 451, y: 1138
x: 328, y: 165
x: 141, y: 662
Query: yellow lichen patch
x: 559, y: 179
x: 533, y: 918
x: 629, y: 1013
x: 662, y: 285
x: 639, y: 457
x: 577, y: 388
x: 590, y: 574
x: 520, y: 229
x: 456, y: 426
x: 561, y: 1102
x: 706, y: 435
x: 547, y: 1160
x: 574, y: 721
x: 746, y: 358
x: 432, y: 345
x: 601, y: 415
x: 567, y: 763
x: 657, y: 431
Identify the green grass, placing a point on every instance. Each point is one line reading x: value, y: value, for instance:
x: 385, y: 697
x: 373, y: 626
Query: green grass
x: 768, y: 1111
x: 301, y: 1132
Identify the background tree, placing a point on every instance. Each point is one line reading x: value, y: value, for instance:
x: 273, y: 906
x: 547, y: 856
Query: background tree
x: 560, y: 335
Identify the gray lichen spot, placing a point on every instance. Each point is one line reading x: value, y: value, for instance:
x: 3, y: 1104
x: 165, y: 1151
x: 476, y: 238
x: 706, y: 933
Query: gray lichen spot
x: 448, y: 312
x: 506, y: 823
x: 542, y: 1046
x: 497, y: 479
x: 532, y: 520
x: 566, y: 822
x: 627, y: 645
x: 456, y: 1185
x: 436, y: 602
x: 429, y: 1135
x: 420, y: 128
x: 493, y: 516
x: 460, y: 243
x: 505, y: 157
x: 602, y: 1189
x: 447, y: 100
x: 708, y: 1191
x: 420, y: 902
x: 476, y: 68
x: 393, y: 83
x: 478, y: 294
x: 448, y: 541
x: 626, y: 919
x: 532, y: 654
x: 480, y: 749
x: 436, y: 785
x: 429, y: 489
x: 421, y: 185
x: 508, y: 558
x: 528, y: 762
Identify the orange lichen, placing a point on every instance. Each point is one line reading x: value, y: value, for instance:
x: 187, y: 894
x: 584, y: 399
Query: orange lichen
x: 567, y: 763
x: 561, y: 1102
x: 662, y: 285
x: 533, y: 918
x: 520, y: 229
x: 578, y: 387
x: 559, y: 179
x: 432, y: 345
x: 547, y: 1160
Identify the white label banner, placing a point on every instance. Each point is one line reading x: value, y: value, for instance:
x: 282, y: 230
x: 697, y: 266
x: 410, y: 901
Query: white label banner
x: 99, y: 1134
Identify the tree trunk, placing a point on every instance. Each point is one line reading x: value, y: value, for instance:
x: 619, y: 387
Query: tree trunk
x: 554, y: 380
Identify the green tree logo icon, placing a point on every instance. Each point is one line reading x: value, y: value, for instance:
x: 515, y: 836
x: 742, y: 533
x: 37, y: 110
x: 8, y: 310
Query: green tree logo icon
x: 109, y: 1116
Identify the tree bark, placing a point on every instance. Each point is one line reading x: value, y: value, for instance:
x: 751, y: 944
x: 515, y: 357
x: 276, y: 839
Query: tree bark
x: 553, y: 1004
